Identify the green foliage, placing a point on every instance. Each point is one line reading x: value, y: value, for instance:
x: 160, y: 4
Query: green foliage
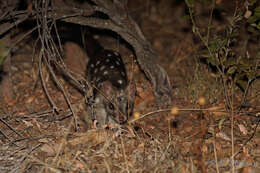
x: 254, y: 19
x: 190, y: 3
x: 218, y: 52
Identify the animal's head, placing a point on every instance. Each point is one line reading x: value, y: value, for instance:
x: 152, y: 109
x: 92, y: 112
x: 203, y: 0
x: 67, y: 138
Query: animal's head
x: 114, y: 105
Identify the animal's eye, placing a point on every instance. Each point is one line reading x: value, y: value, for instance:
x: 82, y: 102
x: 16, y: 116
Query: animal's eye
x: 111, y: 106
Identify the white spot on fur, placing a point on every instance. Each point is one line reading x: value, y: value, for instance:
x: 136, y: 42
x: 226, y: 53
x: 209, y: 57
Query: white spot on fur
x: 98, y: 79
x: 112, y: 66
x: 102, y: 68
x: 105, y: 72
x: 120, y: 81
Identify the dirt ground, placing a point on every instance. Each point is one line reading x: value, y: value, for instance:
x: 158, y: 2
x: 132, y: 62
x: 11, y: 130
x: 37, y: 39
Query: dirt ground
x: 194, y: 134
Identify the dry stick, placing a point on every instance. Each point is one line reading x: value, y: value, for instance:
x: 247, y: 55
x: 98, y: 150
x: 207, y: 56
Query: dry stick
x: 131, y: 79
x: 25, y: 157
x: 163, y: 155
x: 210, y: 21
x: 46, y: 165
x: 63, y: 90
x: 30, y: 138
x: 63, y: 67
x: 45, y: 34
x: 107, y: 166
x: 4, y: 14
x: 231, y: 103
x: 208, y: 33
x: 43, y: 82
x: 244, y: 95
x: 244, y: 143
x: 34, y: 115
x: 85, y: 165
x: 248, y: 85
x: 33, y: 55
x: 167, y: 110
x: 4, y: 135
x: 69, y: 114
x: 214, y: 142
x: 58, y: 82
x: 10, y: 127
x: 15, y: 14
x: 64, y: 93
x: 232, y: 129
x: 15, y: 23
x: 82, y: 87
x: 123, y: 149
x: 55, y: 108
x: 247, y: 88
x: 58, y: 37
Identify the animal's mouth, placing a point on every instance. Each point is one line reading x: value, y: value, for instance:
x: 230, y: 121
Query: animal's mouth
x: 122, y: 119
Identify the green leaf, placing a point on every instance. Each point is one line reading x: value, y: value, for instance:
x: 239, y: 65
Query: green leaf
x: 251, y: 75
x: 190, y: 3
x: 242, y: 84
x: 257, y: 14
x: 230, y: 61
x: 232, y: 70
x: 252, y: 2
x: 205, y: 56
x: 252, y: 30
x: 258, y: 26
x: 257, y: 9
x: 252, y: 19
x: 212, y: 61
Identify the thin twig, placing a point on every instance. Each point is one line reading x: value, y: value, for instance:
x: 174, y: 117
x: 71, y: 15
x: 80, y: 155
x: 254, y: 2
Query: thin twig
x: 214, y: 146
x: 251, y: 137
x: 10, y: 127
x: 232, y: 129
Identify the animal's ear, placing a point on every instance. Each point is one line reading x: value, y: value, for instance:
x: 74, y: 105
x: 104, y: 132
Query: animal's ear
x: 107, y: 88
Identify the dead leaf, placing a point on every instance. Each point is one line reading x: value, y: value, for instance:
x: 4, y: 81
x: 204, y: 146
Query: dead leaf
x: 223, y: 136
x: 28, y: 123
x: 50, y: 148
x: 29, y: 100
x: 242, y: 129
x: 92, y: 137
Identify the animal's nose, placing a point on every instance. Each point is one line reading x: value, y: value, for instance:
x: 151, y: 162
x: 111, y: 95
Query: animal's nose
x: 122, y: 119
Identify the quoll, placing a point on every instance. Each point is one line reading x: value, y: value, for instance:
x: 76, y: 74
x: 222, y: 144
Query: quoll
x: 113, y: 99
